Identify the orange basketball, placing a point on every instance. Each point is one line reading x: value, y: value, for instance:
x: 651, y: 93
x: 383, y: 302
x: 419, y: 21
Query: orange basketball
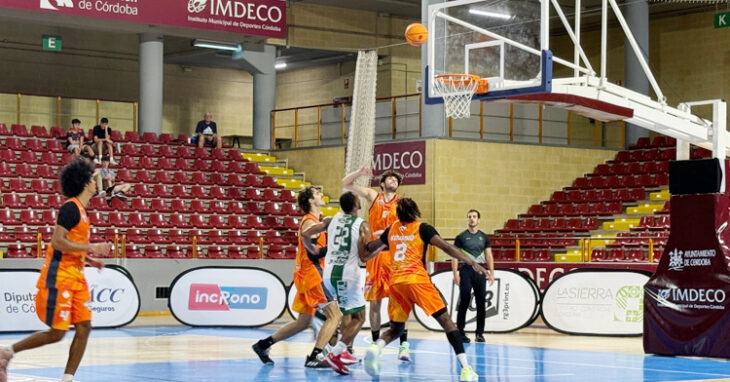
x: 416, y: 34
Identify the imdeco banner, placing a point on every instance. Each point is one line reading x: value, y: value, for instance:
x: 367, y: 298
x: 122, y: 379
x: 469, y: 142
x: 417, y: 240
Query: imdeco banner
x: 254, y: 17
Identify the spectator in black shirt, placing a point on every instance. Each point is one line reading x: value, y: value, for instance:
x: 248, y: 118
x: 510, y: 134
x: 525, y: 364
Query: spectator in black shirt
x: 103, y: 140
x: 474, y: 243
x: 207, y: 132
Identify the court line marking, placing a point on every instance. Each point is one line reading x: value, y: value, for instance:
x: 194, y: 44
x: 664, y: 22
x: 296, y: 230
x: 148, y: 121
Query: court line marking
x: 581, y: 364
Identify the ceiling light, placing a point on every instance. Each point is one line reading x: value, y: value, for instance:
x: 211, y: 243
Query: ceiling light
x: 216, y: 45
x: 280, y: 65
x: 489, y: 14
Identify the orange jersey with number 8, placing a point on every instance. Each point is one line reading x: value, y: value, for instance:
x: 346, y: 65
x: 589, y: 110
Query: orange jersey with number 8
x: 407, y: 247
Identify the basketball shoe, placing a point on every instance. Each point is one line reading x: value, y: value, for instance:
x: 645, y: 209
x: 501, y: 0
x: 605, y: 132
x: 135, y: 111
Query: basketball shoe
x: 336, y: 364
x: 349, y: 359
x: 372, y: 360
x: 404, y: 352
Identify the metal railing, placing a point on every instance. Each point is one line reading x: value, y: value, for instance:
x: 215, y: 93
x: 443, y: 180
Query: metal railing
x: 51, y: 110
x: 401, y: 117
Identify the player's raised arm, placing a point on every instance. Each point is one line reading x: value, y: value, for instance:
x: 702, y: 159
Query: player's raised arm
x: 348, y: 183
x: 312, y: 231
x: 363, y: 252
x: 454, y: 252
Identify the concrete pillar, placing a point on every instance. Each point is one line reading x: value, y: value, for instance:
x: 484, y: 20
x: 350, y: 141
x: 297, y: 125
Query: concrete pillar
x: 637, y: 16
x: 433, y: 122
x: 151, y: 54
x: 264, y: 100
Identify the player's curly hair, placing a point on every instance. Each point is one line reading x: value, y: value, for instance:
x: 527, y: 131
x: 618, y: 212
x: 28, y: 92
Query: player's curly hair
x: 303, y: 198
x: 407, y: 210
x: 390, y: 173
x: 75, y: 176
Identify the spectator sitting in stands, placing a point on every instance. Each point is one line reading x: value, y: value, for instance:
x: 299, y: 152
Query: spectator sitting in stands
x: 75, y: 137
x: 105, y: 183
x: 207, y: 132
x: 103, y: 140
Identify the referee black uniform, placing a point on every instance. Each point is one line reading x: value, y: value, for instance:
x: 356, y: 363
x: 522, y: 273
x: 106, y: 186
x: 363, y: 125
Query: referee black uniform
x: 475, y: 245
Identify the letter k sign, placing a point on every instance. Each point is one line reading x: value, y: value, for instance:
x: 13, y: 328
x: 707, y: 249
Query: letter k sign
x: 46, y: 4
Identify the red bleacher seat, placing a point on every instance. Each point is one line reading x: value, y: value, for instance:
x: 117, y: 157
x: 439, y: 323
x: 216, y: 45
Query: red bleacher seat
x: 254, y: 208
x: 14, y: 144
x: 181, y: 177
x: 290, y: 222
x: 149, y: 138
x: 34, y: 145
x: 237, y: 222
x: 668, y: 154
x: 199, y: 221
x: 255, y: 222
x: 199, y: 192
x: 201, y: 165
x: 201, y: 153
x: 158, y: 236
x: 158, y: 220
x: 50, y: 158
x: 219, y: 154
x: 4, y: 129
x: 218, y: 221
x: 19, y: 130
x: 269, y: 181
x: 177, y: 220
x: 29, y: 157
x: 216, y: 206
x: 153, y: 252
x: 7, y: 217
x: 116, y: 136
x: 129, y: 149
x: 184, y: 152
x: 17, y: 185
x: 163, y: 176
x: 149, y: 150
x: 135, y: 235
x: 252, y: 168
x: 67, y: 158
x: 7, y: 155
x: 616, y: 254
x: 165, y: 138
x: 46, y: 172
x: 128, y: 162
x: 198, y: 206
x: 58, y: 132
x: 236, y: 237
x: 218, y: 193
x: 116, y: 219
x: 167, y: 151
x: 34, y: 201
x: 166, y: 164
x: 235, y: 155
x: 132, y: 136
x: 235, y: 193
x: 253, y: 181
x: 30, y: 217
x: 49, y: 217
x: 599, y: 254
x: 288, y: 196
x: 158, y: 205
x: 200, y: 178
x: 641, y: 143
x: 236, y: 252
x: 182, y: 164
x: 18, y: 251
x: 234, y: 167
x: 132, y: 251
x: 177, y: 236
x: 176, y: 252
x: 178, y: 205
x: 12, y: 201
x: 162, y: 191
x: 96, y: 219
x: 146, y: 163
x: 23, y: 170
x: 39, y: 131
x: 180, y: 191
x: 55, y: 201
x: 5, y: 170
x: 236, y: 207
x: 254, y: 194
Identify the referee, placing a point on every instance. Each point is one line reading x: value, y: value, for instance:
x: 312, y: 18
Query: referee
x: 475, y: 243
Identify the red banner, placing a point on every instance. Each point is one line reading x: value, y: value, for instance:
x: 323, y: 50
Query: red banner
x: 408, y: 158
x: 254, y: 17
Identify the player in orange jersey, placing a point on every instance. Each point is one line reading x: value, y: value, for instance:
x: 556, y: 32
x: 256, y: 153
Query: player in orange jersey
x: 310, y: 294
x: 381, y: 215
x: 410, y: 284
x: 62, y: 289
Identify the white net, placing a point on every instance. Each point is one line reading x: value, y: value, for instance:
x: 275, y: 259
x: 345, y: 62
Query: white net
x: 457, y: 93
x: 361, y: 135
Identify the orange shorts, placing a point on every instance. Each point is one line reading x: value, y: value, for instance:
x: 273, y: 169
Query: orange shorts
x: 309, y: 300
x: 59, y: 308
x: 404, y: 296
x: 377, y: 283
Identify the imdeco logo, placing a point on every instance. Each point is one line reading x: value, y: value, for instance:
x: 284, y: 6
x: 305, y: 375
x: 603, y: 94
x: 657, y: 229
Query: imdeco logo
x: 47, y: 4
x: 197, y: 6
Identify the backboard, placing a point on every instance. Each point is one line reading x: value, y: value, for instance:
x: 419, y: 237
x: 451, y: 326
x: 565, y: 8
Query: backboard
x: 500, y: 40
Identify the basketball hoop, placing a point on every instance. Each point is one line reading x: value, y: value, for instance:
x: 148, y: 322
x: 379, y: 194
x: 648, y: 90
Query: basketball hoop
x: 457, y: 91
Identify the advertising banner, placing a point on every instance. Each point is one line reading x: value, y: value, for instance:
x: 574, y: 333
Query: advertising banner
x: 407, y: 158
x: 511, y: 302
x: 687, y: 301
x: 227, y: 296
x: 17, y: 307
x: 253, y: 17
x: 114, y: 300
x: 596, y: 302
x: 292, y: 292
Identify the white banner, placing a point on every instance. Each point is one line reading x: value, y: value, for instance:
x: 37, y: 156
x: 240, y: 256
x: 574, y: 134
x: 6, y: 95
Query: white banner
x: 17, y: 307
x: 226, y: 296
x: 114, y: 299
x: 383, y: 305
x: 511, y: 302
x: 601, y: 302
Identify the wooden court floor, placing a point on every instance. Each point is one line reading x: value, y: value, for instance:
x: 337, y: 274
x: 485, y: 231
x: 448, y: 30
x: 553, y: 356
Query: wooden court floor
x: 160, y: 349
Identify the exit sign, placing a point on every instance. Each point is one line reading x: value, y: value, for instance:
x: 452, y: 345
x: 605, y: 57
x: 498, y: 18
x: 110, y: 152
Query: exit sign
x: 53, y: 43
x: 722, y: 20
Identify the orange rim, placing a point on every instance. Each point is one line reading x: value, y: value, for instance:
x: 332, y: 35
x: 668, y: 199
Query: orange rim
x: 460, y: 79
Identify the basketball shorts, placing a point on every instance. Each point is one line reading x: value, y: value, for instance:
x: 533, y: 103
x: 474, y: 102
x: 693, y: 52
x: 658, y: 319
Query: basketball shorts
x: 404, y: 296
x: 377, y: 283
x: 59, y: 308
x: 348, y: 293
x: 307, y: 301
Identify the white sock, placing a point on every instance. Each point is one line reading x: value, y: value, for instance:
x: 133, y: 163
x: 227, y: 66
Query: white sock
x: 67, y: 378
x: 339, y: 348
x: 462, y: 360
x: 381, y: 344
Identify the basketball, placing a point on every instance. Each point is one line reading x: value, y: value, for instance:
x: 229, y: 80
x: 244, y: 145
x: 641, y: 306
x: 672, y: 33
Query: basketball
x: 416, y: 34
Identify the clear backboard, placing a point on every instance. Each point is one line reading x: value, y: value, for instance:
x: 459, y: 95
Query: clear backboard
x: 497, y: 40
